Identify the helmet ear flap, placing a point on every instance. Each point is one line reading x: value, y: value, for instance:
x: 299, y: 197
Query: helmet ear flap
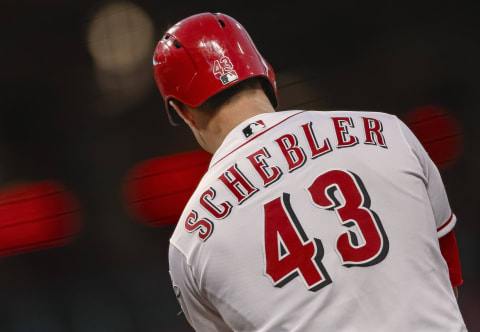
x: 173, y: 117
x: 270, y: 92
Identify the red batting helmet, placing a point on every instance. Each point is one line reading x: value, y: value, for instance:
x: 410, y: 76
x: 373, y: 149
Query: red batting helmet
x: 205, y: 54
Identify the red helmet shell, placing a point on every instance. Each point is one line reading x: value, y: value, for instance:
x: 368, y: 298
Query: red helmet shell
x: 204, y: 54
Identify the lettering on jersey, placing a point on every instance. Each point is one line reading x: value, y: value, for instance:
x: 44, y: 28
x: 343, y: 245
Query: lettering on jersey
x: 288, y: 250
x: 351, y: 245
x: 373, y: 132
x: 238, y: 184
x: 315, y: 149
x: 219, y: 212
x: 294, y: 154
x: 204, y: 226
x: 268, y: 174
x: 364, y: 243
x: 344, y: 139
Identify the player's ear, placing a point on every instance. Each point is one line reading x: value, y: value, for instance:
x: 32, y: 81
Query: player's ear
x: 183, y: 111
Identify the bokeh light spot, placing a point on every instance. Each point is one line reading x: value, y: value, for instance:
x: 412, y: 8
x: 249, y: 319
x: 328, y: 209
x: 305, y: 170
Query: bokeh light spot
x: 36, y: 215
x: 120, y: 36
x: 439, y: 132
x: 157, y: 190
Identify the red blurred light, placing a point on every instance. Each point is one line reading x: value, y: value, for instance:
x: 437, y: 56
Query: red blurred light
x: 36, y: 215
x: 157, y: 190
x: 439, y: 132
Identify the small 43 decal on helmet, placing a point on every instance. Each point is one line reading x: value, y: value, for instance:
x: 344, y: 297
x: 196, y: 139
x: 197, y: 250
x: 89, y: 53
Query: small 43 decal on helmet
x: 223, y: 69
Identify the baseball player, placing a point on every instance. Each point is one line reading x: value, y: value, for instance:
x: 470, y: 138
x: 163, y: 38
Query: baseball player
x: 305, y: 221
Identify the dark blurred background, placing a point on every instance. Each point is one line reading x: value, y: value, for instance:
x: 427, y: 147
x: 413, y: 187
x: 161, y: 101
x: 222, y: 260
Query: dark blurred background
x: 79, y: 105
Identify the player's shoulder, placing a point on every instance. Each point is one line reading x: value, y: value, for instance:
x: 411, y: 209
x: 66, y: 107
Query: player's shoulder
x: 348, y: 113
x: 356, y: 116
x: 299, y: 114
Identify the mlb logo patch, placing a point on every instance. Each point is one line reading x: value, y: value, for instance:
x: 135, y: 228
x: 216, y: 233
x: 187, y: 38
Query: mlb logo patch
x: 253, y: 128
x: 229, y: 77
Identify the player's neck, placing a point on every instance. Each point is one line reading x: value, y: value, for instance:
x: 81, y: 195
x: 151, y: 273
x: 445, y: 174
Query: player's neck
x: 231, y: 115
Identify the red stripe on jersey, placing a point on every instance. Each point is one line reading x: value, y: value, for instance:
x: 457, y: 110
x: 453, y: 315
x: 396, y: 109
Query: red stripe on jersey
x: 260, y: 134
x: 446, y: 223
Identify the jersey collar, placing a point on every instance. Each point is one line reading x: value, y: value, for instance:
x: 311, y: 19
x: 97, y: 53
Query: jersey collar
x: 247, y: 131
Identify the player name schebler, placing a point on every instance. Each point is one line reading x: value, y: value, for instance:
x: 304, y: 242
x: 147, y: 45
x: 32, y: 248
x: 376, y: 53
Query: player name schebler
x: 295, y: 156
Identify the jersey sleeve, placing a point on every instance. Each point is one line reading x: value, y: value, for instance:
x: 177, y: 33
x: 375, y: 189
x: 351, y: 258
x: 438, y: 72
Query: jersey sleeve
x: 200, y: 313
x: 444, y: 218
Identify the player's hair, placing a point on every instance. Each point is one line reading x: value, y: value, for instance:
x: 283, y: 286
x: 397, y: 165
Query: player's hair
x: 214, y: 103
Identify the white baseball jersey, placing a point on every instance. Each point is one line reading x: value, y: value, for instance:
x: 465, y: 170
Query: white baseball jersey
x: 316, y: 221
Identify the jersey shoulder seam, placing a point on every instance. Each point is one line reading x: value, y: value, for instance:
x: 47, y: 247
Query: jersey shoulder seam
x: 410, y: 148
x: 187, y: 258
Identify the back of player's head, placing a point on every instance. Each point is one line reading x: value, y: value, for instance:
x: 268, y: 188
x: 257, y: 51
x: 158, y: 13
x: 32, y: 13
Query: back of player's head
x: 204, y: 55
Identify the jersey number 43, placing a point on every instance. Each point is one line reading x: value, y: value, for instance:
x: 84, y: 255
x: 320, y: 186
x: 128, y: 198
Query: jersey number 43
x: 290, y: 253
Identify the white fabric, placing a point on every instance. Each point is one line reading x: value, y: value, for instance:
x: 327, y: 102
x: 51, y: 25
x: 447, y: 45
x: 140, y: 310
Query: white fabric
x: 222, y: 280
x: 444, y: 218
